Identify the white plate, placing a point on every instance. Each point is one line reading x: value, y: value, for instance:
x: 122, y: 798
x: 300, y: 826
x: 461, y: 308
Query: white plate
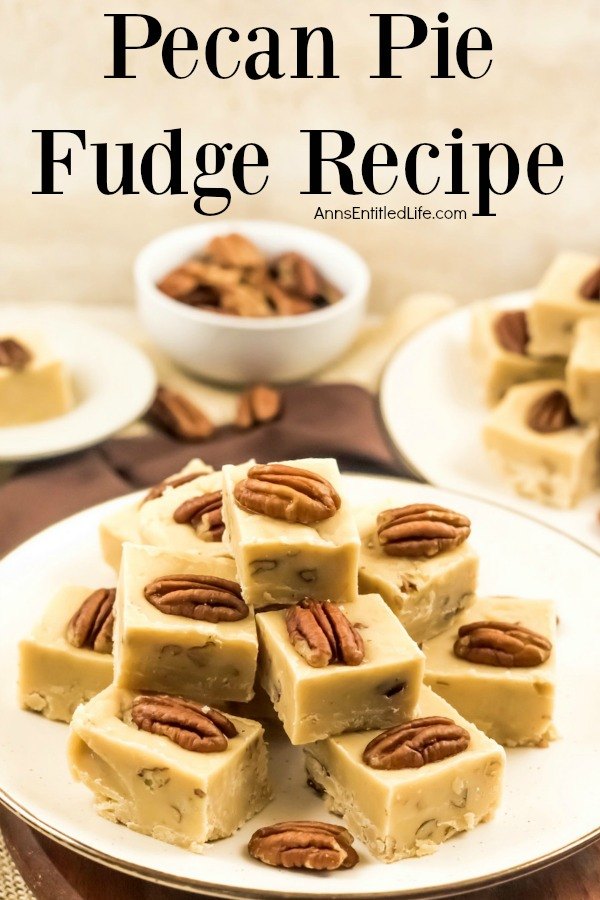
x: 434, y: 413
x: 552, y: 799
x: 114, y: 384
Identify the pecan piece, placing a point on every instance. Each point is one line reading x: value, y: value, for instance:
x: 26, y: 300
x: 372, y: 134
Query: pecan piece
x: 13, y: 354
x: 416, y: 744
x: 322, y: 634
x: 193, y: 726
x: 158, y: 490
x: 422, y: 529
x: 92, y: 625
x: 550, y: 413
x: 257, y: 405
x: 284, y: 303
x: 205, y: 514
x: 297, y: 275
x: 234, y: 251
x: 178, y: 416
x: 590, y: 289
x: 287, y: 492
x: 304, y: 845
x: 512, y: 332
x: 245, y: 300
x: 504, y: 644
x: 202, y: 597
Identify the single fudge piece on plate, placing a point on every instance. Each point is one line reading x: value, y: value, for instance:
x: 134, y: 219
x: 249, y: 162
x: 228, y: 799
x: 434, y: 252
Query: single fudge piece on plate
x: 568, y: 292
x: 499, y: 344
x: 425, y: 585
x: 182, y: 626
x: 291, y: 531
x: 331, y: 668
x: 583, y: 372
x: 67, y: 659
x: 539, y: 447
x: 496, y: 667
x: 406, y: 790
x: 176, y: 770
x: 34, y: 384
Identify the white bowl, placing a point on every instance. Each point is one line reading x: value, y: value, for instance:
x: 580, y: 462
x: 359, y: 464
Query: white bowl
x: 235, y: 349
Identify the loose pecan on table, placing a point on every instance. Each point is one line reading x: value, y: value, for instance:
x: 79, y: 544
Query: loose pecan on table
x: 416, y: 744
x: 257, y: 405
x: 590, y: 289
x: 289, y: 493
x: 550, y: 413
x: 512, y: 332
x: 304, y: 845
x: 91, y: 627
x: 205, y: 514
x: 421, y: 529
x: 179, y: 416
x: 322, y: 634
x: 13, y: 354
x: 175, y: 481
x: 504, y: 644
x: 202, y: 597
x: 193, y: 726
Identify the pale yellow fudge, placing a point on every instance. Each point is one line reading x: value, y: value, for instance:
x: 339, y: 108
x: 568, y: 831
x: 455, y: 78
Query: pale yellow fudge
x: 213, y: 661
x: 425, y: 593
x: 280, y: 562
x: 499, y: 368
x: 512, y: 704
x: 313, y: 703
x: 583, y: 372
x: 167, y: 520
x: 151, y: 784
x: 55, y: 676
x: 556, y: 468
x: 34, y: 383
x: 406, y: 812
x: 568, y: 292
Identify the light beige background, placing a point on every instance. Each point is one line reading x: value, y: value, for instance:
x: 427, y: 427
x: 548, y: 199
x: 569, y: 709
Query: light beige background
x: 543, y: 86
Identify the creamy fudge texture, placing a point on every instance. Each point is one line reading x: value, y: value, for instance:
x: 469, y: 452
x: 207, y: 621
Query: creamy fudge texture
x: 409, y: 812
x: 208, y: 661
x: 157, y: 525
x: 283, y: 562
x: 54, y: 676
x: 512, y: 705
x: 313, y: 703
x: 558, y: 304
x: 40, y: 390
x: 424, y: 593
x: 583, y: 372
x: 152, y: 785
x: 557, y: 468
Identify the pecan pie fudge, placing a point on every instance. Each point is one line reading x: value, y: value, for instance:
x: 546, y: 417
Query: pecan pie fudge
x: 182, y: 626
x: 34, y: 384
x: 186, y: 516
x: 496, y: 667
x: 68, y: 656
x: 418, y: 558
x: 405, y: 790
x: 331, y: 668
x: 179, y: 771
x: 291, y: 531
x: 540, y: 448
x: 583, y: 372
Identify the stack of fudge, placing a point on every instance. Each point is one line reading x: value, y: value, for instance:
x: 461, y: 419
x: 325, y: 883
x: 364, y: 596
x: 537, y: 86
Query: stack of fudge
x: 359, y: 628
x: 540, y: 368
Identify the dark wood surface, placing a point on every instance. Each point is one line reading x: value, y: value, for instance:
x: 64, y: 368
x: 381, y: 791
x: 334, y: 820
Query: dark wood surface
x: 54, y: 873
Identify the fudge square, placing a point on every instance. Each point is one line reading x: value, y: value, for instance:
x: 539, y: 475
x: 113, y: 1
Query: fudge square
x: 62, y: 666
x: 185, y: 516
x: 148, y: 767
x: 294, y: 534
x: 583, y: 372
x: 510, y: 701
x: 182, y: 626
x: 314, y: 700
x: 34, y: 384
x: 402, y: 812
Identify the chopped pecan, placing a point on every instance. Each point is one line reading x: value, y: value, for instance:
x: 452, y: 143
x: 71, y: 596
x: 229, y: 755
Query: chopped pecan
x: 257, y: 405
x: 178, y: 416
x: 296, y: 275
x: 550, y: 413
x: 322, y: 634
x: 234, y: 251
x: 422, y: 529
x: 205, y: 514
x: 416, y: 743
x: 245, y: 300
x: 512, y: 332
x: 193, y: 726
x: 287, y: 492
x: 202, y: 597
x: 304, y: 845
x: 197, y: 282
x: 504, y: 644
x: 590, y: 289
x: 92, y: 625
x: 175, y: 481
x: 13, y: 354
x: 284, y: 303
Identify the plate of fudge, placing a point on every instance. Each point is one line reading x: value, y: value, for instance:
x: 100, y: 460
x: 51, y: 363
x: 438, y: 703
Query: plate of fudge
x: 501, y: 399
x: 280, y: 680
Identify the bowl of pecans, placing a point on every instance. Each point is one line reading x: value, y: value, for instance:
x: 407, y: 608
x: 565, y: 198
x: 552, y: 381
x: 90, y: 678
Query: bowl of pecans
x: 238, y: 302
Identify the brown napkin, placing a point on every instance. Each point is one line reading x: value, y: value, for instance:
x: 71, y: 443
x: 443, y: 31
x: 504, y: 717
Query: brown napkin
x: 318, y: 420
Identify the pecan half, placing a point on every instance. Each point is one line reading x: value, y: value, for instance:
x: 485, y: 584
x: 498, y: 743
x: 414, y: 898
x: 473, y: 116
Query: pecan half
x: 13, y: 354
x: 504, y: 644
x: 416, y: 744
x: 422, y: 529
x: 234, y: 251
x: 512, y: 332
x: 202, y: 597
x: 322, y: 634
x: 284, y: 303
x: 92, y: 625
x: 245, y: 300
x: 193, y: 726
x: 285, y: 492
x: 158, y: 490
x: 257, y: 405
x: 178, y: 416
x: 550, y: 413
x: 590, y: 289
x: 304, y: 845
x: 297, y: 275
x: 205, y: 514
